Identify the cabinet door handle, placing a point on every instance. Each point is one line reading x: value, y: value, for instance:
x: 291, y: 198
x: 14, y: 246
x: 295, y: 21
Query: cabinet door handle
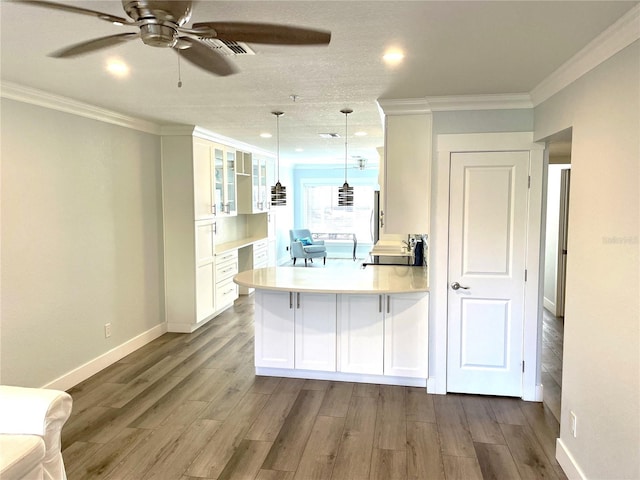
x: 290, y: 300
x: 213, y: 209
x: 388, y: 304
x: 298, y: 300
x: 379, y: 303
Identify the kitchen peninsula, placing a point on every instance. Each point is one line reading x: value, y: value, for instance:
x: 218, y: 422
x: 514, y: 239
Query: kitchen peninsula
x: 358, y: 325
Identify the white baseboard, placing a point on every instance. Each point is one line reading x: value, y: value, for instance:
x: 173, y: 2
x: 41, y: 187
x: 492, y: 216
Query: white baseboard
x: 341, y: 376
x: 432, y: 386
x: 567, y: 462
x: 539, y: 393
x: 549, y: 305
x: 77, y: 375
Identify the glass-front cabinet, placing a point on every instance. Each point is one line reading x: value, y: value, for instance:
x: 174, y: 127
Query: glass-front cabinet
x: 225, y: 180
x: 254, y: 185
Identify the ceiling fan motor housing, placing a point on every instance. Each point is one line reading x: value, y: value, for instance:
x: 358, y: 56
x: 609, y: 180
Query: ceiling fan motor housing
x: 159, y: 20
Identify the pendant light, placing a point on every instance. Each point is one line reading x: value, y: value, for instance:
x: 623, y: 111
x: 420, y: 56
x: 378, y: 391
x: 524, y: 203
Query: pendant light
x: 345, y: 193
x: 278, y: 192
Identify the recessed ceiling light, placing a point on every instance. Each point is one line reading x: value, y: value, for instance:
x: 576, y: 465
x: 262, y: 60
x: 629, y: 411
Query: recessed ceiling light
x: 299, y: 149
x: 393, y: 57
x: 360, y: 134
x: 117, y: 68
x: 266, y: 135
x: 329, y: 135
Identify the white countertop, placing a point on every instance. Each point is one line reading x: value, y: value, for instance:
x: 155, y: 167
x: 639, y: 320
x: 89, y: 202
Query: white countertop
x: 374, y: 279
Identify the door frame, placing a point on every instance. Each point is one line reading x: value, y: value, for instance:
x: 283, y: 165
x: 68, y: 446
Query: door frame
x: 439, y: 253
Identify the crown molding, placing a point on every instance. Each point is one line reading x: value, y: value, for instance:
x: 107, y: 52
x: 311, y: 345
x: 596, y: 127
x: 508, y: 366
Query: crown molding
x: 404, y: 106
x: 480, y: 102
x: 618, y: 36
x: 415, y: 106
x: 63, y: 104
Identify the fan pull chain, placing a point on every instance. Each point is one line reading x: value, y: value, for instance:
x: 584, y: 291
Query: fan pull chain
x: 179, y: 74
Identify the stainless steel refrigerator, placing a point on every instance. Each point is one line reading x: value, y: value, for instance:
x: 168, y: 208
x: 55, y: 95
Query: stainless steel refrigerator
x: 375, y: 217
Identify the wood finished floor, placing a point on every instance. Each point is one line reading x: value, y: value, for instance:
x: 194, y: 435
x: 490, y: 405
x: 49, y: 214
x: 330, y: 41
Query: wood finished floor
x: 189, y: 406
x: 552, y: 343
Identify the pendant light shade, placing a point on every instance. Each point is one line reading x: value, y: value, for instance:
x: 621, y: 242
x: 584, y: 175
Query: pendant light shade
x: 345, y: 193
x: 278, y: 191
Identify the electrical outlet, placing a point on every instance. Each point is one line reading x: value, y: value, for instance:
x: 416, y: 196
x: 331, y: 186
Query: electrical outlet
x: 107, y: 330
x: 574, y: 421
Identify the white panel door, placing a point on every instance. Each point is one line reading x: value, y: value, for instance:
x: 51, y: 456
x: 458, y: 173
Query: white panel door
x: 274, y: 329
x: 361, y: 334
x: 487, y: 247
x: 315, y: 331
x: 406, y: 340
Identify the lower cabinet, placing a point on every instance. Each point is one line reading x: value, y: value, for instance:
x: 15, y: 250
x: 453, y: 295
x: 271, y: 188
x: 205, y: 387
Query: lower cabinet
x: 295, y: 330
x: 361, y: 332
x: 226, y: 268
x: 406, y: 352
x: 344, y: 333
x: 384, y: 334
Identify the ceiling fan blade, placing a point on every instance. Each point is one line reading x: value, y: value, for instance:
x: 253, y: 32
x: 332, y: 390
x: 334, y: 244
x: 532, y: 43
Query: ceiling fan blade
x: 202, y: 56
x: 68, y: 8
x: 263, y: 33
x: 93, y: 45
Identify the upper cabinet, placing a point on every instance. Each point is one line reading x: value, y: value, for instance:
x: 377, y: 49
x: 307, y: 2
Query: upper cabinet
x: 406, y: 180
x: 253, y: 190
x: 225, y: 195
x: 214, y: 177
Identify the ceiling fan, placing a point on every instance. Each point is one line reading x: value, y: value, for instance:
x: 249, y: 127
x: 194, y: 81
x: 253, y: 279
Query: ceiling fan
x: 161, y: 24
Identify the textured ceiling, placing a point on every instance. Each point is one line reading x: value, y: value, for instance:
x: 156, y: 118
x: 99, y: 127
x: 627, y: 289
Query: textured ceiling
x: 451, y: 47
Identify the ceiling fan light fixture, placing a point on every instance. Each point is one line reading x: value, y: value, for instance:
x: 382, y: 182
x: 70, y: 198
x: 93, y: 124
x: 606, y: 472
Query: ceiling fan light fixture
x: 278, y: 191
x: 345, y: 193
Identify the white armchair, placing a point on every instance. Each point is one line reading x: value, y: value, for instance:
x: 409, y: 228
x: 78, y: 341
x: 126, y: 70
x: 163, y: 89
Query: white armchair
x: 31, y: 421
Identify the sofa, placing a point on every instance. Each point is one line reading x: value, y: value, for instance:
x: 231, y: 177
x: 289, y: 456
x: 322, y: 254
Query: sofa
x: 31, y: 421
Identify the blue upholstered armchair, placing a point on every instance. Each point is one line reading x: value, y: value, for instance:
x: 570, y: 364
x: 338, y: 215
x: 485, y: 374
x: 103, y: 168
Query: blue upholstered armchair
x: 303, y: 246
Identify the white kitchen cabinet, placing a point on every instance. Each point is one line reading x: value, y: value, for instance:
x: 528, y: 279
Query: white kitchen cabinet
x: 361, y: 334
x: 384, y: 334
x: 226, y: 291
x: 274, y: 329
x: 214, y: 177
x: 272, y: 250
x: 203, y: 173
x: 295, y: 330
x: 253, y: 191
x: 405, y: 335
x: 225, y: 194
x: 205, y: 232
x: 315, y: 331
x: 190, y: 220
x: 406, y: 191
x: 261, y: 254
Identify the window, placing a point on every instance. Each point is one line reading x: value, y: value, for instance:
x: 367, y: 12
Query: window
x: 322, y: 213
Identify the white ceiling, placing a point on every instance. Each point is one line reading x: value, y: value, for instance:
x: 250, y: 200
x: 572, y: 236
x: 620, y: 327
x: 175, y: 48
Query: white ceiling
x: 452, y: 48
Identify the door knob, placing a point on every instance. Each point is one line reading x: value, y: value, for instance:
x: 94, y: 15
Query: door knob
x: 457, y: 286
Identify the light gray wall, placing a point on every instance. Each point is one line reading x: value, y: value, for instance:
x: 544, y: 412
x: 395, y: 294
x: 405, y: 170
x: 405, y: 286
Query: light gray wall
x: 601, y: 368
x: 551, y: 236
x: 81, y: 240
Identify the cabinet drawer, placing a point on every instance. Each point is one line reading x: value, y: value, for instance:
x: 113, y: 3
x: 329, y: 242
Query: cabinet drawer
x: 260, y: 258
x: 226, y: 270
x: 226, y: 256
x: 226, y: 293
